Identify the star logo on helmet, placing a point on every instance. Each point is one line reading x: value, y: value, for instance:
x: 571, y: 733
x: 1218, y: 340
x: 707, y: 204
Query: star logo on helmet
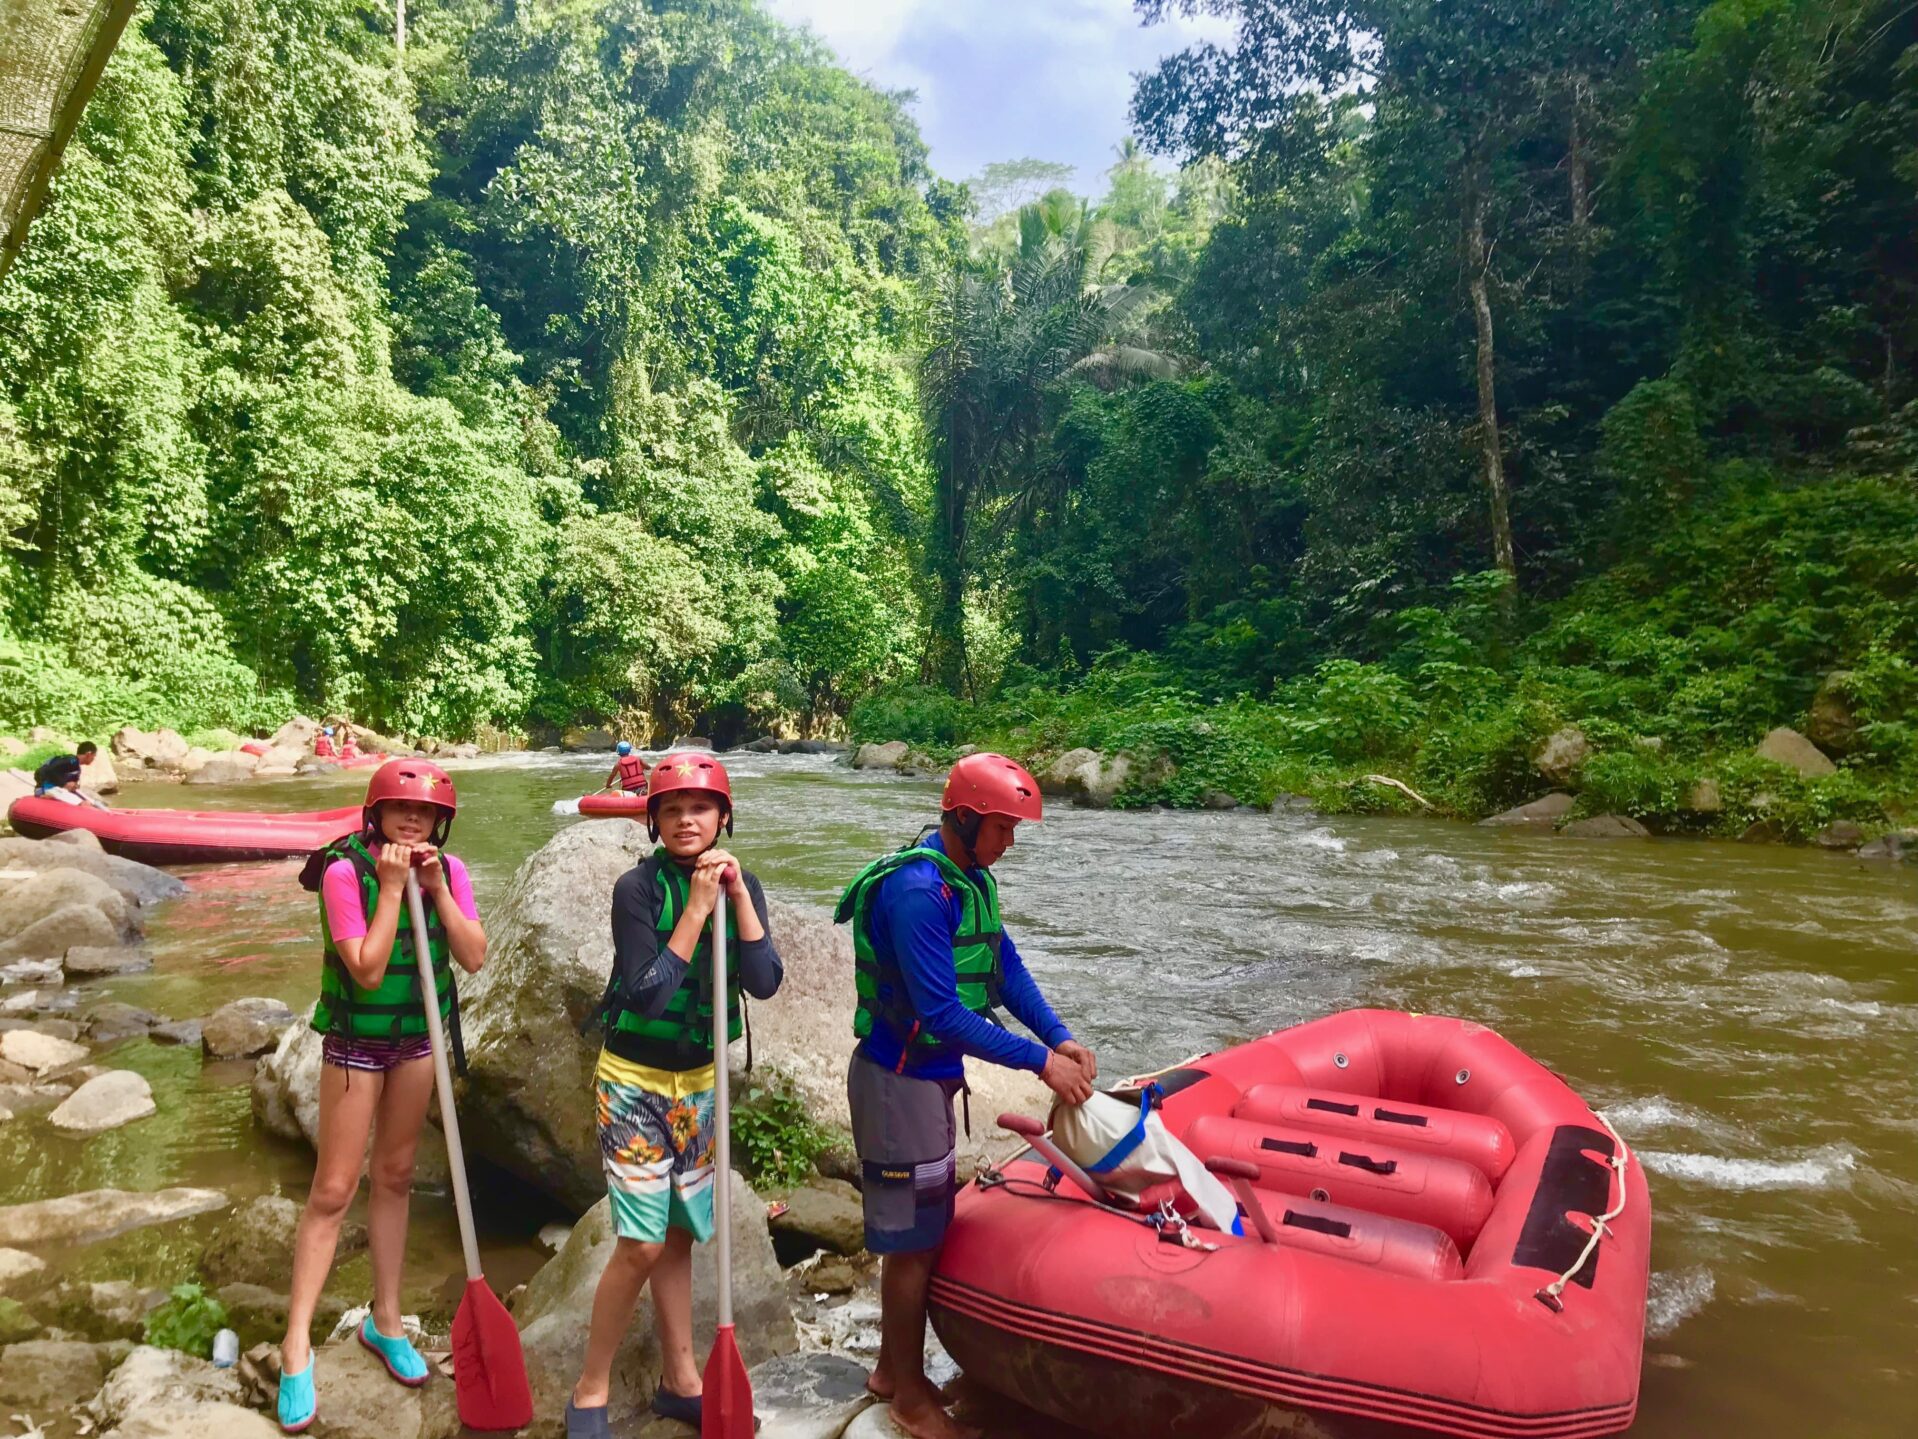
x: 686, y: 769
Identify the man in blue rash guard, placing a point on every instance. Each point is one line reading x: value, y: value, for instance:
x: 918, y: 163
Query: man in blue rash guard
x: 932, y: 963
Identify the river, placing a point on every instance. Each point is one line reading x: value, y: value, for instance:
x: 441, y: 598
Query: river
x: 1747, y: 1015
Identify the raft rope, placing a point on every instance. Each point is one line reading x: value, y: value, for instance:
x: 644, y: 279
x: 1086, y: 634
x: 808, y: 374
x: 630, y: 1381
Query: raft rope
x: 1601, y: 1223
x: 1166, y: 1221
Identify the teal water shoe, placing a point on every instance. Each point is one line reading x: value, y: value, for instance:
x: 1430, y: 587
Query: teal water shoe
x: 298, y: 1404
x: 399, y: 1356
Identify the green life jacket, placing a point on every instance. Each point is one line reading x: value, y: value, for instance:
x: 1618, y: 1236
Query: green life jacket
x: 391, y: 1009
x: 975, y: 947
x: 682, y: 1036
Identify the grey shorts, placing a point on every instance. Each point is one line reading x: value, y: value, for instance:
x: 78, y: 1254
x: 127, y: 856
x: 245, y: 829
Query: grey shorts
x: 907, y: 1142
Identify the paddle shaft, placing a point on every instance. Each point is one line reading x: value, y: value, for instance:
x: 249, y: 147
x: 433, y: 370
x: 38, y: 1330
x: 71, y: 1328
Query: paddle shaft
x: 442, y: 1076
x: 723, y: 1117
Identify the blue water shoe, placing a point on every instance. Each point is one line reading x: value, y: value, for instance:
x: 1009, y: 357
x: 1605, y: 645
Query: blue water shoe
x: 298, y: 1404
x: 399, y: 1356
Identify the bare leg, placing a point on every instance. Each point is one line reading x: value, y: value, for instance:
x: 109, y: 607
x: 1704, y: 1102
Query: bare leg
x: 346, y: 1117
x: 917, y: 1407
x: 613, y: 1303
x: 396, y: 1133
x: 673, y: 1304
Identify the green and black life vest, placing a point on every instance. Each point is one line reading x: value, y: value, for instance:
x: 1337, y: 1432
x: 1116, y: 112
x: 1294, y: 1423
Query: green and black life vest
x: 391, y: 1009
x: 682, y: 1036
x: 975, y: 947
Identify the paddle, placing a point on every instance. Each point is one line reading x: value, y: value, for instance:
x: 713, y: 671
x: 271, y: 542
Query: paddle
x: 489, y: 1371
x: 726, y: 1408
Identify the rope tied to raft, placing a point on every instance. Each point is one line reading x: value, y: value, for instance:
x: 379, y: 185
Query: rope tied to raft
x: 1166, y: 1221
x: 1549, y: 1296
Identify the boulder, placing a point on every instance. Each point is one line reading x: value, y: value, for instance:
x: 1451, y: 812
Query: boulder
x: 81, y: 926
x: 48, y: 1374
x: 104, y: 1102
x: 110, y: 1309
x: 1899, y: 844
x: 1839, y: 834
x: 191, y: 763
x: 1607, y: 826
x: 1218, y: 799
x: 16, y: 1324
x: 357, y: 1399
x: 245, y: 1027
x: 832, y: 1274
x: 1559, y: 758
x: 554, y: 1312
x: 110, y: 1021
x: 220, y: 1419
x: 151, y: 1377
x: 578, y: 740
x: 232, y: 767
x: 100, y: 1214
x: 20, y: 1272
x: 765, y: 744
x: 258, y: 1313
x: 139, y: 885
x: 78, y: 838
x: 1542, y: 813
x: 808, y: 1396
x: 35, y: 973
x: 1704, y: 798
x: 1087, y: 777
x: 87, y: 961
x: 530, y: 1071
x: 314, y: 765
x: 297, y: 733
x: 1829, y: 723
x: 465, y: 750
x: 65, y: 1029
x: 881, y: 756
x: 812, y: 746
x: 823, y: 1214
x: 690, y: 741
x: 1788, y: 747
x: 20, y: 1099
x: 162, y: 749
x: 254, y: 1244
x: 286, y: 1085
x: 99, y: 775
x: 26, y: 902
x: 40, y: 1054
x: 1293, y: 804
x: 177, y: 1031
x: 1763, y: 831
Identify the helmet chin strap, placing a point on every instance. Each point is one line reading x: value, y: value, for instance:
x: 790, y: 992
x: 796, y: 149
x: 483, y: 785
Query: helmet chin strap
x: 966, y: 823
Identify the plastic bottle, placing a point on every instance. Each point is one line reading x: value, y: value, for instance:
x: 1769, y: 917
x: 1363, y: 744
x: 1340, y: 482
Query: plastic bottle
x: 226, y: 1349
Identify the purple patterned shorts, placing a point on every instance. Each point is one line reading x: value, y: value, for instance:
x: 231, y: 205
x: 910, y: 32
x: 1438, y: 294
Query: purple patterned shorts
x: 374, y: 1056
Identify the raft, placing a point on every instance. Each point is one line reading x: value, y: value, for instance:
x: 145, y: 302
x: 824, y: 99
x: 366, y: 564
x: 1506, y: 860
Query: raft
x: 183, y: 836
x: 1429, y: 1192
x: 608, y: 806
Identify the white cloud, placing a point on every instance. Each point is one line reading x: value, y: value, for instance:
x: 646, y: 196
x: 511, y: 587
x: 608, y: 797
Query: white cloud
x: 998, y: 79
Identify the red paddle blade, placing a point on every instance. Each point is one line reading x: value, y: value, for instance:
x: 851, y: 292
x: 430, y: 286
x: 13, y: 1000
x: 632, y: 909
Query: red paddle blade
x: 489, y: 1371
x: 726, y: 1403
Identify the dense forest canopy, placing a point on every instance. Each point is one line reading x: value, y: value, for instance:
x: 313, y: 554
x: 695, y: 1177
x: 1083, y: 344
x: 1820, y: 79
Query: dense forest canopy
x: 1428, y: 377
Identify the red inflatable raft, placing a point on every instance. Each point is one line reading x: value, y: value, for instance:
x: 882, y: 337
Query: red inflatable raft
x: 1429, y: 1193
x: 608, y: 805
x: 183, y: 836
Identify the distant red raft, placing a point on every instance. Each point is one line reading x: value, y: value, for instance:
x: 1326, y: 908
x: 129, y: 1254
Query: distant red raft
x: 1432, y: 1192
x: 184, y: 836
x: 607, y: 805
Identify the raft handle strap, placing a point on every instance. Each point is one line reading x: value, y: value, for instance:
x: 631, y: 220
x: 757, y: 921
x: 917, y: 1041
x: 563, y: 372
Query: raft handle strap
x: 1368, y: 1163
x: 1549, y: 1296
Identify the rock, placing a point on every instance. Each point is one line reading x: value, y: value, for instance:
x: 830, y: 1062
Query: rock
x: 151, y: 1377
x: 1830, y: 724
x: 530, y: 1071
x: 1542, y: 813
x: 1704, y: 798
x: 553, y: 1313
x: 106, y: 1102
x: 19, y: 1099
x: 1764, y: 831
x: 1839, y: 834
x: 808, y: 1396
x: 1607, y: 826
x: 765, y: 744
x: 110, y: 1021
x: 1562, y: 753
x: 587, y: 740
x: 824, y: 1214
x: 552, y: 1237
x: 16, y: 1324
x: 23, y: 1003
x: 218, y: 1420
x: 811, y: 746
x: 258, y: 1313
x: 139, y: 885
x: 312, y: 765
x: 40, y: 1054
x: 24, y: 903
x: 46, y: 1374
x: 78, y: 838
x: 100, y: 1214
x: 245, y: 1027
x: 38, y: 973
x: 20, y: 1272
x: 356, y: 1399
x: 1788, y: 747
x: 192, y: 762
x: 232, y: 767
x: 833, y: 1274
x: 1899, y: 844
x: 1218, y: 799
x: 176, y: 1031
x: 1293, y: 804
x: 76, y: 926
x: 85, y: 961
x: 113, y: 1309
x: 99, y: 775
x: 297, y: 733
x: 65, y: 1029
x: 254, y: 1245
x: 286, y: 1085
x: 1087, y: 777
x: 276, y: 771
x: 162, y: 749
x: 880, y: 756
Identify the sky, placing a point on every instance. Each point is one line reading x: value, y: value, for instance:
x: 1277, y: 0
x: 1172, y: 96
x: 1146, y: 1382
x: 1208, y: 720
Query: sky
x: 1004, y: 79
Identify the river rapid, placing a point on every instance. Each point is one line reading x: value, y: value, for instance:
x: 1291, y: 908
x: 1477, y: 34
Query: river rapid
x: 1746, y: 1015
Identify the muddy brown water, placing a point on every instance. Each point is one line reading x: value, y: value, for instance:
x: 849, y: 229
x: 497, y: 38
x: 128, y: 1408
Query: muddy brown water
x: 1747, y: 1016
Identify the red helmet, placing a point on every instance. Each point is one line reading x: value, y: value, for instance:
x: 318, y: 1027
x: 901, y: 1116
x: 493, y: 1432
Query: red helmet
x: 687, y: 770
x: 413, y: 779
x: 992, y: 784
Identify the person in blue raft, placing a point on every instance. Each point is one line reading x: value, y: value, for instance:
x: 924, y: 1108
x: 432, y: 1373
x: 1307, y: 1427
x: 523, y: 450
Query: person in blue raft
x: 932, y: 962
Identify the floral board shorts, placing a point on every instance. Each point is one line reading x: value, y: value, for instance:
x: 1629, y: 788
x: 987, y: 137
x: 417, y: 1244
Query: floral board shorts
x: 657, y: 1150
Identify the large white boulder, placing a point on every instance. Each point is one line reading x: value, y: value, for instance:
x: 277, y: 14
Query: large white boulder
x: 104, y: 1102
x: 1788, y: 747
x: 1086, y: 777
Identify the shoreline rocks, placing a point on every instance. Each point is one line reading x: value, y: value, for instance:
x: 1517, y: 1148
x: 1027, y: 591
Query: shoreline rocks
x: 100, y: 1214
x: 1542, y: 813
x: 243, y: 1028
